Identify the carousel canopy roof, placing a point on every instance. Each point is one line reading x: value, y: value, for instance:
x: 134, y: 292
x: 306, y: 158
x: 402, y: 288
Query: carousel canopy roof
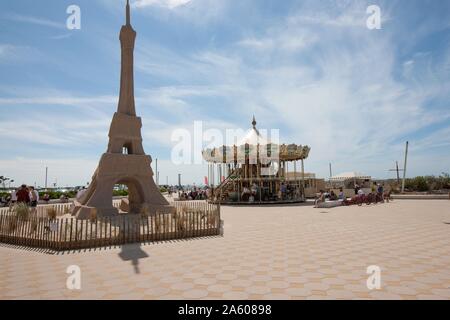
x: 253, y: 143
x: 349, y: 175
x: 253, y: 137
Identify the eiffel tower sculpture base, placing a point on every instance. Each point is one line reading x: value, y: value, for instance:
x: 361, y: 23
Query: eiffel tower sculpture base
x: 135, y: 172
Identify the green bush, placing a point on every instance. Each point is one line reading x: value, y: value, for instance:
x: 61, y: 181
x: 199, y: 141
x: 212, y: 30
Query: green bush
x: 428, y: 183
x: 22, y: 211
x: 120, y: 193
x: 417, y: 184
x: 57, y: 194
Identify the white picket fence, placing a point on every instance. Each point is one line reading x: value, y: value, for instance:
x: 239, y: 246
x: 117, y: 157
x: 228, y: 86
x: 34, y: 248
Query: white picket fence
x: 60, y: 208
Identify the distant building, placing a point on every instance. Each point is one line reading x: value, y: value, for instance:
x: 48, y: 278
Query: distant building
x: 313, y: 185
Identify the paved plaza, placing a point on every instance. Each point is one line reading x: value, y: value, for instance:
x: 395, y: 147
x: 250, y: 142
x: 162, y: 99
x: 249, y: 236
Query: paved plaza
x: 282, y: 252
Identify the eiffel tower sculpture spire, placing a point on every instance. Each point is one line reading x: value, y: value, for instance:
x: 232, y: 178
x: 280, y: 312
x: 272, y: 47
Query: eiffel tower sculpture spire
x: 125, y: 161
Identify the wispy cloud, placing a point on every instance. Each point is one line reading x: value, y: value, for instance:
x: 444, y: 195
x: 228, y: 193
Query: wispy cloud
x: 342, y: 103
x: 16, y: 53
x: 62, y: 36
x: 171, y: 4
x: 35, y: 20
x: 58, y: 100
x: 7, y: 49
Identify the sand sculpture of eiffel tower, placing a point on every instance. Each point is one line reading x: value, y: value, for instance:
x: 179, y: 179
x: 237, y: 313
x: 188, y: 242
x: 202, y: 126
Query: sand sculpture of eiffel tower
x: 125, y: 161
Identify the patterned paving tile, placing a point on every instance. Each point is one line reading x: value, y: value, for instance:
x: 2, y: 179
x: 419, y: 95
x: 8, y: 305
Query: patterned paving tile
x: 294, y: 252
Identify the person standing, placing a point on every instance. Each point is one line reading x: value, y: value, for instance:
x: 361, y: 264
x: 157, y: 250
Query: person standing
x: 34, y: 196
x: 380, y: 192
x: 23, y: 195
x: 13, y: 196
x: 80, y: 193
x: 34, y: 199
x: 283, y: 191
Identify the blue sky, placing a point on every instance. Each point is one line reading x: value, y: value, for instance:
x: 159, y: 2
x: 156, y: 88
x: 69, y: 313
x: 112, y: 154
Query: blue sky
x: 309, y: 68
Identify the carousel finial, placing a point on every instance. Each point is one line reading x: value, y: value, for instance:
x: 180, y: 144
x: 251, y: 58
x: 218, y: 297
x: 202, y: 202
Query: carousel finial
x: 254, y: 122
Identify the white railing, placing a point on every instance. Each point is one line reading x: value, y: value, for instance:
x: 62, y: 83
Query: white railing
x: 60, y: 208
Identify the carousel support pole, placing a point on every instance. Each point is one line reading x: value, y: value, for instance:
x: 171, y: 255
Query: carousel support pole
x: 209, y: 176
x: 303, y: 180
x: 258, y: 169
x: 239, y: 185
x: 212, y: 175
x: 295, y: 174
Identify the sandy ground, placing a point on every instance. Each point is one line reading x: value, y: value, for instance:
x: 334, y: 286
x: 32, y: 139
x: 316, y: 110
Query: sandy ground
x: 285, y: 252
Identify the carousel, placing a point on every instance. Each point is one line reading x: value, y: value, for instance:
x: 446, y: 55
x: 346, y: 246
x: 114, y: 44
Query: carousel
x: 255, y: 171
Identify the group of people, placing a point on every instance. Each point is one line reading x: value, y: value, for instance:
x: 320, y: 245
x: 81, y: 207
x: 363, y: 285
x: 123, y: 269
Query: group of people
x: 330, y: 195
x: 194, y: 194
x: 24, y: 194
x: 249, y: 194
x: 376, y: 195
x: 285, y: 192
x: 288, y: 192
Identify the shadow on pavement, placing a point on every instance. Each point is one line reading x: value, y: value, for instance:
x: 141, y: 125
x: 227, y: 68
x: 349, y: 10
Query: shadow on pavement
x: 133, y: 252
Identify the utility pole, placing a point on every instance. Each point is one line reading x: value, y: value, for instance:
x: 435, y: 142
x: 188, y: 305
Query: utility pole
x: 167, y: 180
x: 331, y: 174
x: 398, y: 172
x: 46, y: 176
x: 404, y: 167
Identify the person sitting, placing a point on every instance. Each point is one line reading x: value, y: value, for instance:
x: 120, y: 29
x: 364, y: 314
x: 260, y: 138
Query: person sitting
x: 245, y: 194
x: 333, y: 196
x: 361, y: 196
x: 361, y: 192
x: 46, y: 198
x: 320, y: 198
x: 254, y: 189
x: 341, y: 194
